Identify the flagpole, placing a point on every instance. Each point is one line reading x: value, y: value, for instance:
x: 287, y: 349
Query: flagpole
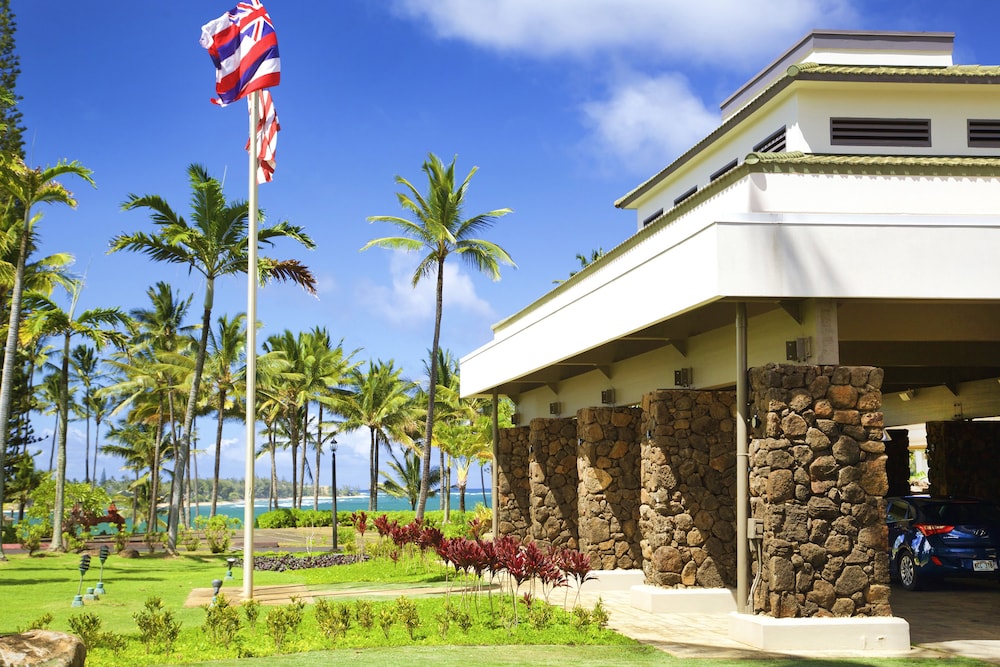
x: 251, y: 352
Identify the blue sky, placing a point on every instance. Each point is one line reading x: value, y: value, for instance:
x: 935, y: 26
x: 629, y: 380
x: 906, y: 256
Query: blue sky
x: 564, y: 106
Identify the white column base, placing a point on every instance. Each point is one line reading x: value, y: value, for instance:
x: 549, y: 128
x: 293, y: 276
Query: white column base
x: 658, y: 600
x: 789, y: 635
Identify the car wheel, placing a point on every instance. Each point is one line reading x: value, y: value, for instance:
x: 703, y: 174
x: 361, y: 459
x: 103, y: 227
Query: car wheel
x: 907, y: 569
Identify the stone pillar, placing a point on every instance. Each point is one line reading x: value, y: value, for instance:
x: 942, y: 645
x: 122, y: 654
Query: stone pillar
x: 554, y: 481
x: 688, y: 513
x: 897, y: 465
x: 817, y: 478
x: 608, y: 468
x: 514, y: 489
x: 962, y: 458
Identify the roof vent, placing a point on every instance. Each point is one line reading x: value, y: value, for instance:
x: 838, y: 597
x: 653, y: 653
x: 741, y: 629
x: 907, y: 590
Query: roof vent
x: 984, y: 133
x: 685, y: 195
x: 773, y: 143
x: 880, y: 132
x: 729, y: 166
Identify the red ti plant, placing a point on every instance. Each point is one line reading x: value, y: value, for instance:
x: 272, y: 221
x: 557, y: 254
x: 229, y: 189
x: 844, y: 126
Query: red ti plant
x: 360, y: 522
x: 383, y: 525
x: 476, y: 528
x: 575, y: 565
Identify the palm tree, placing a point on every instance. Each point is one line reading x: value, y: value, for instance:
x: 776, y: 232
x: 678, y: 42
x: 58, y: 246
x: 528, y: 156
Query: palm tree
x: 214, y: 244
x: 226, y: 348
x: 26, y: 188
x: 151, y: 373
x: 438, y: 229
x: 99, y: 325
x: 584, y: 263
x: 379, y: 400
x: 83, y: 369
x: 324, y: 371
x: 409, y: 477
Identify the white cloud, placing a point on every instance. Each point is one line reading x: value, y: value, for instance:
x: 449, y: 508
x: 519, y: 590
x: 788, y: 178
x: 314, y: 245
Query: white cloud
x: 649, y: 121
x: 708, y: 30
x: 400, y: 303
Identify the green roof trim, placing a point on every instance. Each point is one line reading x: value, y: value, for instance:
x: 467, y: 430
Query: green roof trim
x: 777, y: 163
x: 953, y: 74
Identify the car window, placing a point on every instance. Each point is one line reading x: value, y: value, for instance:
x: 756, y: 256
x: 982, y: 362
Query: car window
x: 897, y: 511
x: 963, y: 512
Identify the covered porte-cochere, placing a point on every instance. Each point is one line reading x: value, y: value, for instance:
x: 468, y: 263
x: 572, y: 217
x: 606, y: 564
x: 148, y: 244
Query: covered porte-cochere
x: 719, y: 402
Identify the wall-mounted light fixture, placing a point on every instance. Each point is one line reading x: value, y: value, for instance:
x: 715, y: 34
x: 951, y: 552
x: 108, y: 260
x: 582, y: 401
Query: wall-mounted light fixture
x: 799, y: 349
x: 908, y: 395
x: 684, y: 377
x: 607, y: 396
x: 555, y: 408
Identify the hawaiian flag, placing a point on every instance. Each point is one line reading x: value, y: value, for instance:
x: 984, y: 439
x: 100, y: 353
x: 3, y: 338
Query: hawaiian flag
x: 244, y: 48
x: 267, y: 136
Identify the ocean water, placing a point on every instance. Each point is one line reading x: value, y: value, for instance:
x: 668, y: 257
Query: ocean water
x: 386, y: 503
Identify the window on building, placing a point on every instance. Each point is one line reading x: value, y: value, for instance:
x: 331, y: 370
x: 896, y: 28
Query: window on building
x: 880, y: 131
x: 773, y: 143
x: 984, y: 133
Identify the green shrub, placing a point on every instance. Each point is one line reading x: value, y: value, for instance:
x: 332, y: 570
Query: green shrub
x: 218, y: 531
x: 364, y: 612
x: 87, y: 627
x: 190, y: 540
x: 157, y: 626
x: 312, y: 518
x: 251, y: 609
x: 408, y: 616
x: 30, y: 535
x: 121, y: 539
x: 222, y: 621
x: 40, y: 623
x: 279, y: 518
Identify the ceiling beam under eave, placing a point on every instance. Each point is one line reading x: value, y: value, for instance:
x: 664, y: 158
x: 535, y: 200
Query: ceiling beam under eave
x: 681, y: 345
x: 794, y: 308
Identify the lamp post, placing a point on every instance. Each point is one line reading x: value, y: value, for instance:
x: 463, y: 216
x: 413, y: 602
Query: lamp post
x: 229, y: 572
x: 333, y: 487
x: 84, y: 566
x: 103, y: 556
x: 216, y: 585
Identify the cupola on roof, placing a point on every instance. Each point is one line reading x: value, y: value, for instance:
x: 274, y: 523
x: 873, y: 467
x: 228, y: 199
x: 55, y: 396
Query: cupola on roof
x: 850, y: 47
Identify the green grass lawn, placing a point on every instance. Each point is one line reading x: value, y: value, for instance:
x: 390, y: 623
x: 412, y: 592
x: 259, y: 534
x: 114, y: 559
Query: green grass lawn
x: 46, y: 584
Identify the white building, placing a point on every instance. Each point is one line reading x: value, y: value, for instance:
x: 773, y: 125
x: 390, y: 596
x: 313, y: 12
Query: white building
x: 850, y: 198
x: 845, y: 213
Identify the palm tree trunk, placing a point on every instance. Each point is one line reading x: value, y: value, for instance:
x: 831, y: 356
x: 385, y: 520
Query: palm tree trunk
x: 86, y: 456
x: 97, y: 441
x: 60, y: 504
x: 154, y: 474
x: 373, y: 474
x: 425, y: 473
x: 10, y: 349
x: 183, y: 450
x: 274, y: 475
x: 319, y: 444
x: 218, y: 449
x: 305, y: 453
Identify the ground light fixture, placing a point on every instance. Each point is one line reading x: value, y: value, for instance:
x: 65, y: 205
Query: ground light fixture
x: 229, y: 572
x: 216, y: 585
x: 102, y: 556
x: 84, y: 566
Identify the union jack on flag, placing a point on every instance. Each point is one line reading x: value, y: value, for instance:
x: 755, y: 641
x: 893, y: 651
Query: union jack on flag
x: 267, y: 136
x: 243, y: 45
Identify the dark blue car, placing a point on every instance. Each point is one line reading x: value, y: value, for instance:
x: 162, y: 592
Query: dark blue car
x: 942, y: 537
